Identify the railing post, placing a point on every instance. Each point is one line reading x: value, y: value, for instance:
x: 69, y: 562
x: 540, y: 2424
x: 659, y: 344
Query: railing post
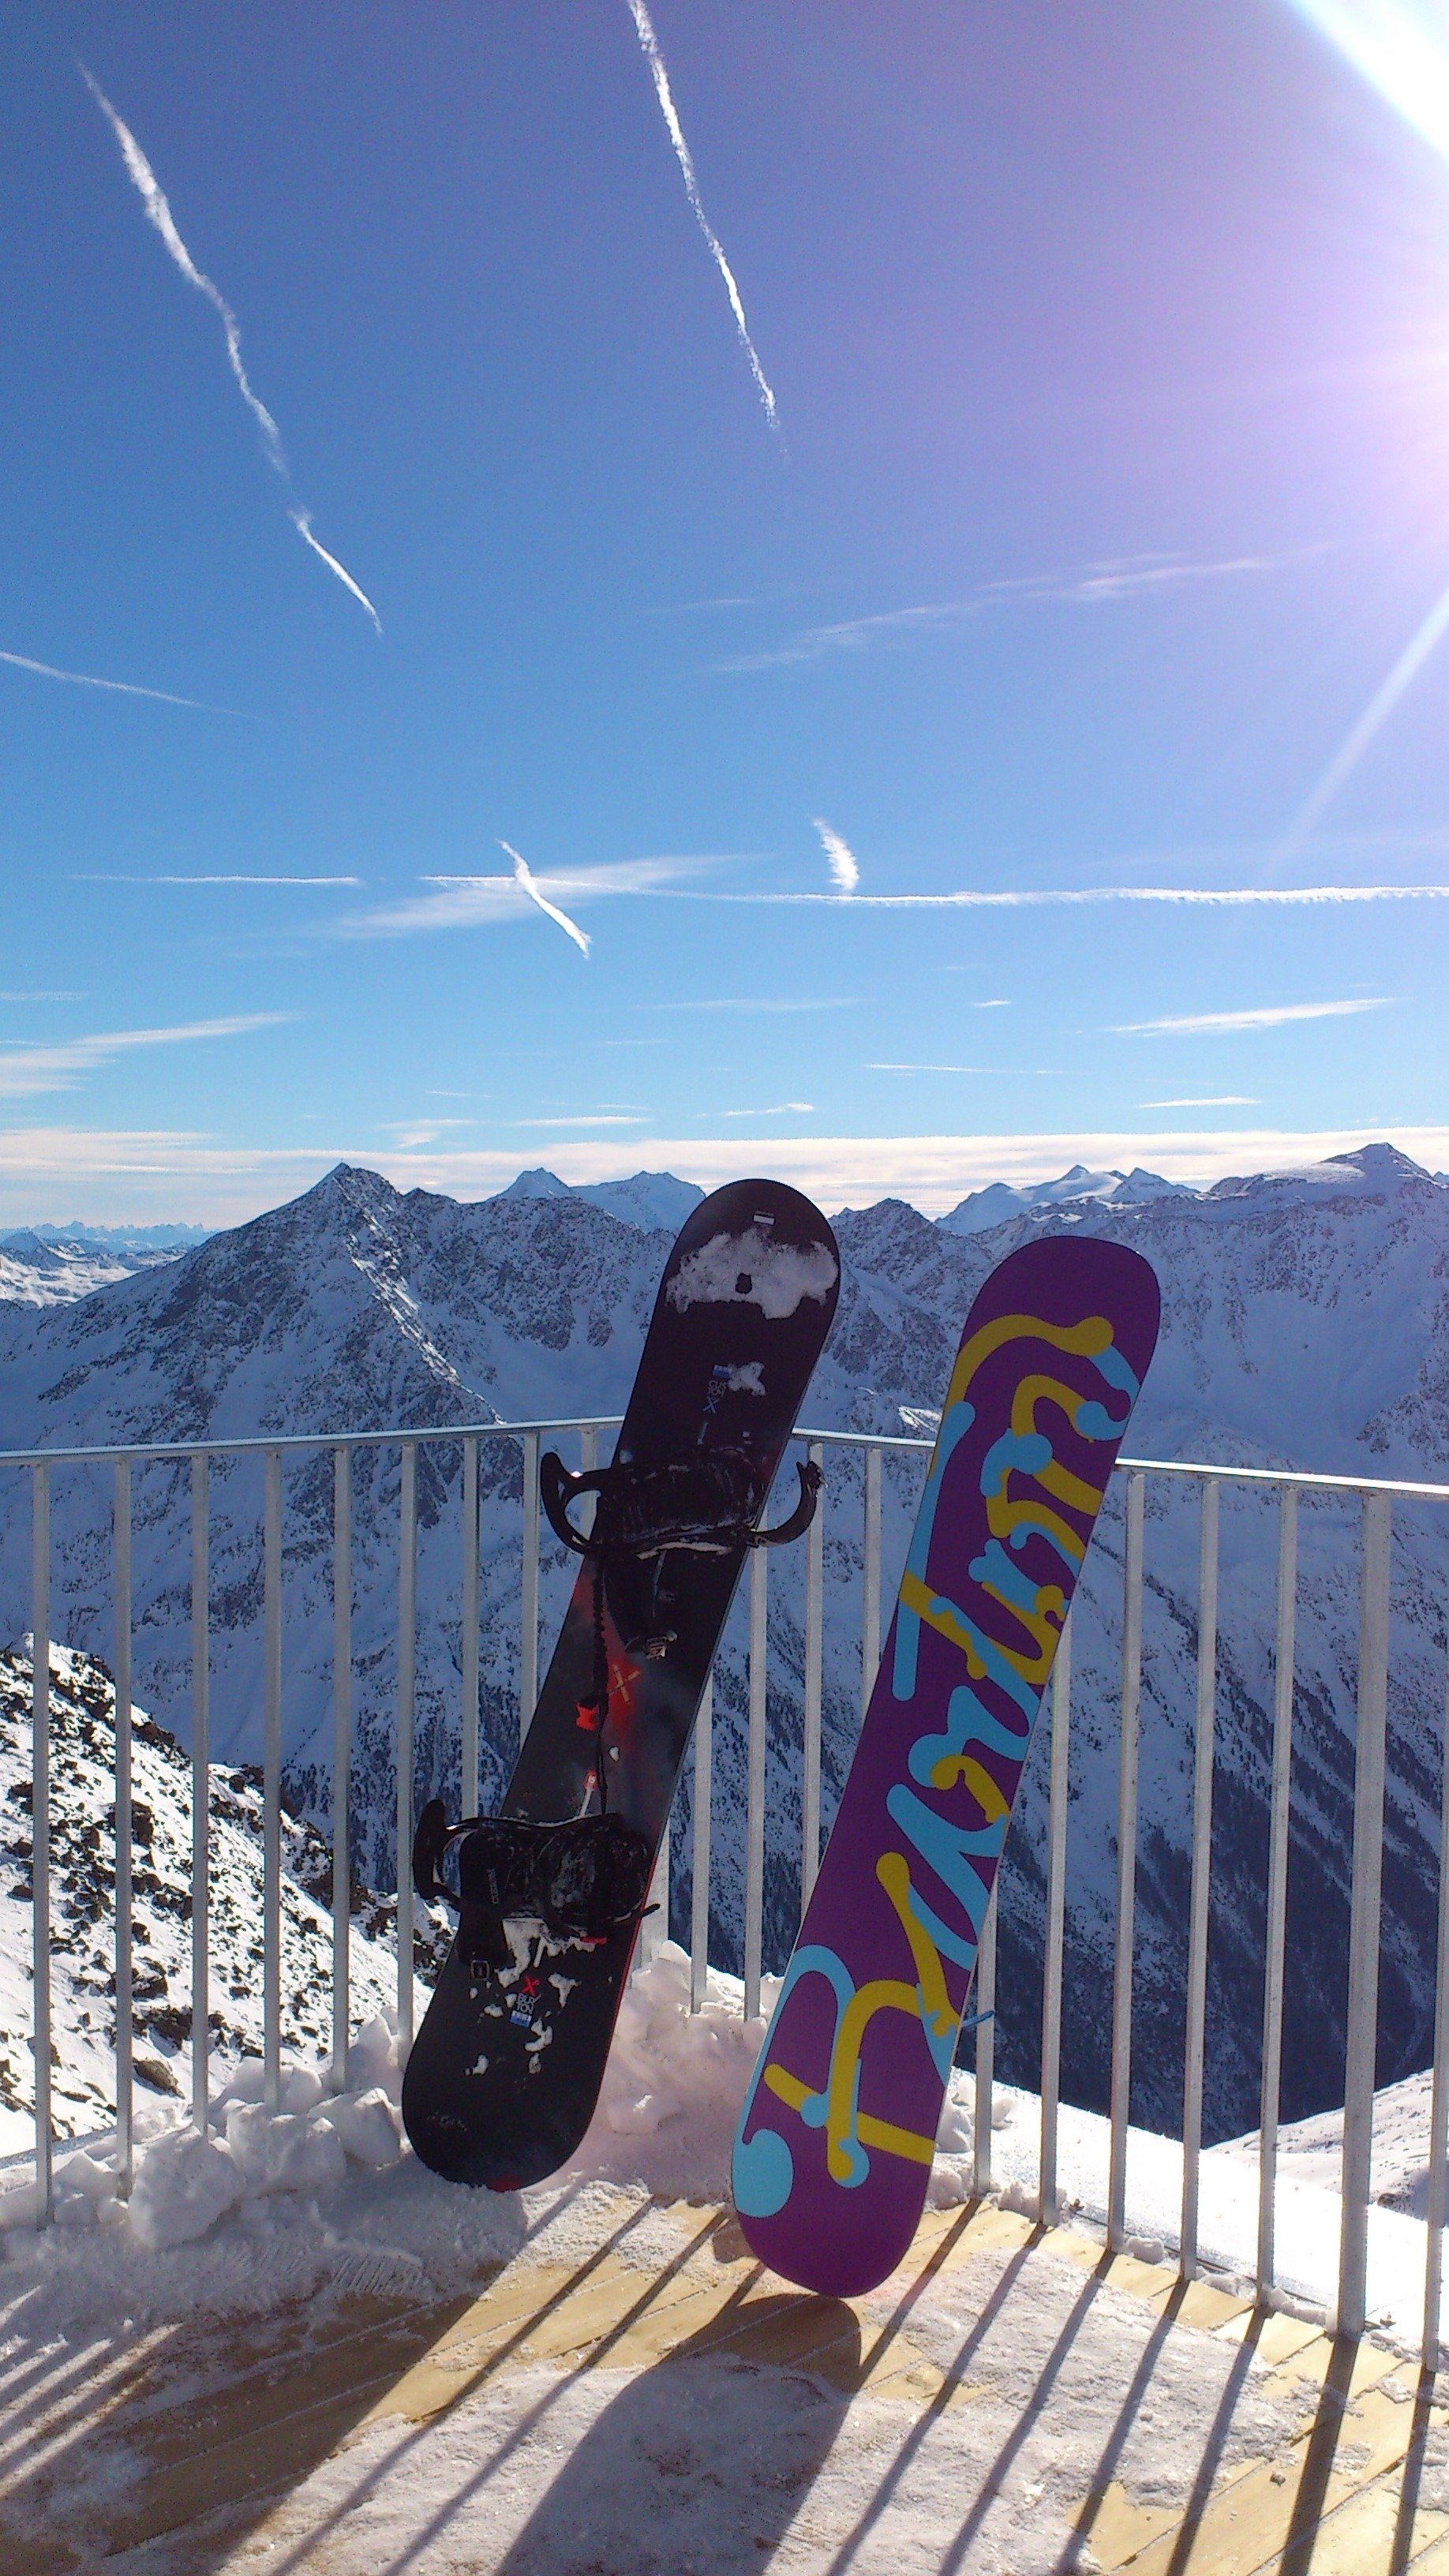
x: 341, y: 1761
x: 1275, y: 1941
x: 1202, y: 1847
x: 655, y: 1926
x: 699, y: 1893
x: 814, y: 1690
x: 1121, y: 2091
x: 755, y: 1798
x: 528, y: 1639
x: 1055, y: 1925
x: 1438, y: 2195
x: 40, y: 1827
x: 121, y: 1659
x: 1363, y: 1932
x: 407, y: 1654
x: 468, y: 1757
x: 984, y: 2003
x: 272, y: 1779
x: 870, y: 1582
x: 200, y: 1795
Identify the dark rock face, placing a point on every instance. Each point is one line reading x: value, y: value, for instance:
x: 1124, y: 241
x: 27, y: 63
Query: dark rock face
x: 1306, y: 1323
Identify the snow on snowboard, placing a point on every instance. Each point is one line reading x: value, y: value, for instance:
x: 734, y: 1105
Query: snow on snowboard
x: 505, y: 2070
x: 834, y: 2148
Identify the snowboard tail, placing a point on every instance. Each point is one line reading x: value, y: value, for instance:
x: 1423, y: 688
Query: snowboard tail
x: 506, y: 2067
x: 834, y: 2149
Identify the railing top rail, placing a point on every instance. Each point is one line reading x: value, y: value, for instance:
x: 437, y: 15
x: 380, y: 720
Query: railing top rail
x: 1300, y: 1480
x: 139, y: 1452
x: 393, y: 1438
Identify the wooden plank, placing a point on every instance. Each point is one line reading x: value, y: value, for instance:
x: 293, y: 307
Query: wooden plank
x: 1274, y: 2510
x: 1363, y: 2537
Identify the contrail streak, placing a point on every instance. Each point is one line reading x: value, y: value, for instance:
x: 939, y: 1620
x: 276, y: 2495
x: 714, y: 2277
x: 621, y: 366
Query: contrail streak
x: 158, y: 212
x: 302, y: 521
x: 652, y: 55
x: 1028, y: 899
x: 1376, y: 714
x: 523, y: 875
x: 844, y: 866
x: 123, y: 688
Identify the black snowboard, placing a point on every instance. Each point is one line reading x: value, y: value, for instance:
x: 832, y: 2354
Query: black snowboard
x: 506, y: 2068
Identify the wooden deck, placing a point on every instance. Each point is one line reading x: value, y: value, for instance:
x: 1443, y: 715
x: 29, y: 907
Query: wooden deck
x: 216, y: 2453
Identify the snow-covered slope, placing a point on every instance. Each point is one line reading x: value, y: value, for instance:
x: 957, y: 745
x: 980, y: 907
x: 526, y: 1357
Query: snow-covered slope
x: 123, y: 1238
x: 650, y: 1200
x: 998, y: 1201
x: 1305, y: 1323
x: 53, y: 1270
x: 83, y: 1880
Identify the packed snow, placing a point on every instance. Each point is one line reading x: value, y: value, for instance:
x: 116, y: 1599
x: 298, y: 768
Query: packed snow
x: 274, y: 2201
x: 539, y: 2467
x: 707, y: 2464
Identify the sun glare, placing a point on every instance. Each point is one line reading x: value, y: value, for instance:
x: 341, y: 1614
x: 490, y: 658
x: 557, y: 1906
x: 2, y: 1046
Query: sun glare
x: 1401, y: 47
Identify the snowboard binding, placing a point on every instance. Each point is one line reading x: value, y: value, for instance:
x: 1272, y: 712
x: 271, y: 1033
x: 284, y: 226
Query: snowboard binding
x: 581, y: 1880
x: 708, y: 1505
x: 704, y: 1506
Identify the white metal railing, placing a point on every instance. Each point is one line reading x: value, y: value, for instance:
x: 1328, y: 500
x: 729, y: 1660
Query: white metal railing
x: 1376, y: 1496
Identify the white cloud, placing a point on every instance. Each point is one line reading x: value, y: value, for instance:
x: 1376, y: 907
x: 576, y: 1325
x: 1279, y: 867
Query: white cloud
x: 477, y: 902
x: 843, y: 864
x: 652, y: 55
x: 1089, y: 585
x: 125, y: 1173
x: 1223, y: 1023
x: 782, y: 1109
x: 26, y: 1070
x: 120, y: 688
x: 158, y: 213
x: 928, y: 1068
x: 42, y: 997
x: 1215, y: 1100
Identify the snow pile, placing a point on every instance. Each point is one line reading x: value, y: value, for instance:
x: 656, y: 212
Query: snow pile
x: 1311, y: 2151
x: 275, y: 2203
x: 675, y: 2082
x: 83, y: 1880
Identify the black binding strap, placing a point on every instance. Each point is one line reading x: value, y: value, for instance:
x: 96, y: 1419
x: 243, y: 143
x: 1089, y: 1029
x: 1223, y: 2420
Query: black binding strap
x: 699, y: 1507
x: 581, y: 1880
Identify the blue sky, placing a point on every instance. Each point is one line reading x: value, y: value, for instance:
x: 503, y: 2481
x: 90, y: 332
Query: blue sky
x: 1108, y: 488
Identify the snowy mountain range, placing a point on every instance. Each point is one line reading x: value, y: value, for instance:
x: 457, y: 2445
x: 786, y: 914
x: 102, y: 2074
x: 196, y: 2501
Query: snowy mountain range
x: 1306, y: 1323
x: 650, y: 1200
x: 993, y: 1205
x: 41, y: 1267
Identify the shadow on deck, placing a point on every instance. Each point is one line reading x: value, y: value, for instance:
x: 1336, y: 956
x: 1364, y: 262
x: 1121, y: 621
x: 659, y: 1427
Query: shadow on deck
x: 1013, y: 2398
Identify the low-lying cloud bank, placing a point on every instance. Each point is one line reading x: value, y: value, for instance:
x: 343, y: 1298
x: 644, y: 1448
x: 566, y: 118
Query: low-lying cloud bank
x: 134, y: 1174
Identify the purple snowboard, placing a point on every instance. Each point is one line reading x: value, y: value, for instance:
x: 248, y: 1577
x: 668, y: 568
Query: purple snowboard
x: 834, y: 2149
